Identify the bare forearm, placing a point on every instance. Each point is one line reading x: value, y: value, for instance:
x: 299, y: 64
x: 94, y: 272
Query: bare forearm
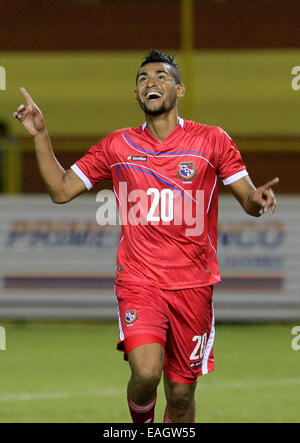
x: 242, y: 191
x: 62, y: 185
x: 255, y: 201
x: 51, y: 171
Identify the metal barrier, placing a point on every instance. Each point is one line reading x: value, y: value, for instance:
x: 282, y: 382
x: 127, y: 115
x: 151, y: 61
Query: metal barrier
x: 11, y: 169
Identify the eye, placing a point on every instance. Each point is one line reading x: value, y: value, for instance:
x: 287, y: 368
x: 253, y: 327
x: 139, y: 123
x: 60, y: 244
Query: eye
x: 142, y: 79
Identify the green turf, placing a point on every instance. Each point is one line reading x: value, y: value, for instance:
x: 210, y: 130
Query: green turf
x: 71, y: 373
x: 89, y: 93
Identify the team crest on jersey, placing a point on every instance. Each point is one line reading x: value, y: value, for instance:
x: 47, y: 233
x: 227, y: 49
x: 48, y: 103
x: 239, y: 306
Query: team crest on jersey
x: 130, y: 317
x: 187, y: 171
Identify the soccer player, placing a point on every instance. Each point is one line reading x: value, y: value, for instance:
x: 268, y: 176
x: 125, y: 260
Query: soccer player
x: 165, y: 175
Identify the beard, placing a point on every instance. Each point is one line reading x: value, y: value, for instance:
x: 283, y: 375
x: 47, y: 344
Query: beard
x: 161, y: 110
x: 164, y: 107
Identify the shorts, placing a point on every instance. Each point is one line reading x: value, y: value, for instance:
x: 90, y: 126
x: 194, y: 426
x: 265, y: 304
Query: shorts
x: 182, y: 321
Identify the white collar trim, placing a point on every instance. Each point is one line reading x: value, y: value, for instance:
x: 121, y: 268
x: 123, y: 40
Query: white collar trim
x: 180, y: 122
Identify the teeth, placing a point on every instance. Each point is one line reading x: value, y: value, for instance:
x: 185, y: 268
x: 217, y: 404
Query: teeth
x: 153, y: 95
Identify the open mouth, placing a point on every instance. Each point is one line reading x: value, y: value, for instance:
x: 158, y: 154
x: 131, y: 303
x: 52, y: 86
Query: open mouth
x: 154, y: 95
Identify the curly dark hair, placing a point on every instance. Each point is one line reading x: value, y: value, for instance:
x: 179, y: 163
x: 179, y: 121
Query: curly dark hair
x: 156, y: 56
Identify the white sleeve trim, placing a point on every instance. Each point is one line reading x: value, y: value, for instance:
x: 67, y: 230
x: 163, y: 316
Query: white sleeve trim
x: 233, y: 178
x: 82, y: 176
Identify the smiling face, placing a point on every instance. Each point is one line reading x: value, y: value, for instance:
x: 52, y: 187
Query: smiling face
x: 157, y: 88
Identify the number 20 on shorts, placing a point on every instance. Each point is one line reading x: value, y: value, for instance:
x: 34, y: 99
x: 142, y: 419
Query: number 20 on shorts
x: 200, y: 347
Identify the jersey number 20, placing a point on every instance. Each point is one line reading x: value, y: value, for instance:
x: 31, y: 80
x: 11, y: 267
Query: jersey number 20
x: 166, y: 199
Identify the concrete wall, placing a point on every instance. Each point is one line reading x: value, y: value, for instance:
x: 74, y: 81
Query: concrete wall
x: 142, y: 24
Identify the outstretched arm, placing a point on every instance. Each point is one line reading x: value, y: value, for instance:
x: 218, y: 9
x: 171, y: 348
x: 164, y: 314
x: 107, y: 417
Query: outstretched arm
x: 255, y: 201
x: 62, y: 185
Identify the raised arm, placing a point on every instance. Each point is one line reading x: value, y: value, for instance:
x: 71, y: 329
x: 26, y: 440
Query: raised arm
x: 255, y: 201
x: 62, y: 185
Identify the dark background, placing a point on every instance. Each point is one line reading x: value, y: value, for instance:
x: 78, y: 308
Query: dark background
x: 75, y: 24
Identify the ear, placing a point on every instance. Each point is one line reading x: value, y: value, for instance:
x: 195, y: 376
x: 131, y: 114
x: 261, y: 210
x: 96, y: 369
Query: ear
x: 135, y: 96
x: 180, y: 90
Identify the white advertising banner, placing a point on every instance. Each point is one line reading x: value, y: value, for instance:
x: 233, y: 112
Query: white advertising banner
x: 259, y: 261
x: 57, y: 262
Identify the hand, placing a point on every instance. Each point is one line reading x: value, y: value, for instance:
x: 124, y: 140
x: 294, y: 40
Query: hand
x: 264, y: 197
x: 30, y: 115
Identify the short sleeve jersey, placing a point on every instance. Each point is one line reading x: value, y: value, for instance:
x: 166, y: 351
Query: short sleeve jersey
x: 167, y: 195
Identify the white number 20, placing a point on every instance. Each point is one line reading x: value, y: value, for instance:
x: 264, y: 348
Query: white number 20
x: 166, y: 205
x: 199, y: 349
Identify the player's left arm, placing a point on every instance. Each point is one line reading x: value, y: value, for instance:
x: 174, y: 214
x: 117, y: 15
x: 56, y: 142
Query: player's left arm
x: 255, y: 201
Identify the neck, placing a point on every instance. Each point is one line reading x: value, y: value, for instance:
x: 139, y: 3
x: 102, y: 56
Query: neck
x: 160, y: 126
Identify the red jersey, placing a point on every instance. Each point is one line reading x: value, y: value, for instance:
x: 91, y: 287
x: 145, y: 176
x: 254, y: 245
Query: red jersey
x: 168, y: 196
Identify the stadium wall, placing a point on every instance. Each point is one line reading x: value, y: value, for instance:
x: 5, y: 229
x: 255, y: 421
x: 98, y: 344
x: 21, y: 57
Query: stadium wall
x: 140, y: 24
x: 56, y: 262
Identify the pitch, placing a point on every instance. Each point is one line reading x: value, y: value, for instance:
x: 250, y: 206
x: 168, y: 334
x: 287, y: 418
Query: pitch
x: 70, y: 372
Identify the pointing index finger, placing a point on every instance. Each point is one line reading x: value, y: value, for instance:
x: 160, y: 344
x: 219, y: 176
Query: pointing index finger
x: 271, y: 183
x: 26, y: 96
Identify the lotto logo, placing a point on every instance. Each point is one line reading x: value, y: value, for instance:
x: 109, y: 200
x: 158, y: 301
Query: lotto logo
x: 2, y: 339
x: 2, y: 79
